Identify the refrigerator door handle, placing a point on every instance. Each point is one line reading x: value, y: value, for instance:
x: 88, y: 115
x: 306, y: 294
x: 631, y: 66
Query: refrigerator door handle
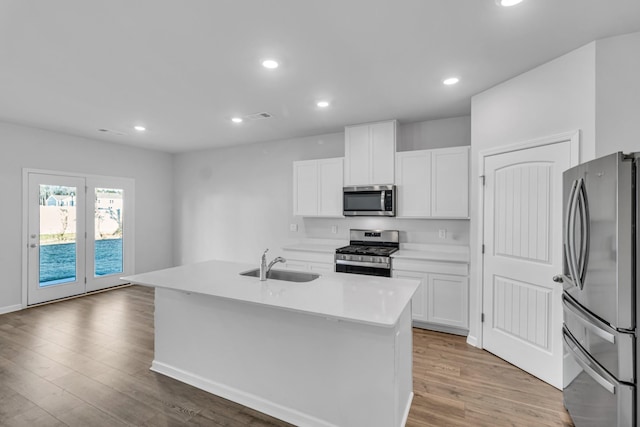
x: 589, y: 366
x: 583, y: 205
x: 569, y: 237
x: 589, y: 321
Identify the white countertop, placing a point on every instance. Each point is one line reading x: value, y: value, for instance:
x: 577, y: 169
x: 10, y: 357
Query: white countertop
x: 364, y: 299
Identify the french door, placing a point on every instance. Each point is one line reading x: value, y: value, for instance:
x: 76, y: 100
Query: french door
x: 79, y: 234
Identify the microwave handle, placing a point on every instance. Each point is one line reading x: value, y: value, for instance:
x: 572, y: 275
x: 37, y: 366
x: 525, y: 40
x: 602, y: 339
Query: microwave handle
x: 382, y: 197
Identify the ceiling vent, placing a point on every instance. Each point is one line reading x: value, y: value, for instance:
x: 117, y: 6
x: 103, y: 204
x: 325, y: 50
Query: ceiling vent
x: 112, y: 132
x: 257, y: 116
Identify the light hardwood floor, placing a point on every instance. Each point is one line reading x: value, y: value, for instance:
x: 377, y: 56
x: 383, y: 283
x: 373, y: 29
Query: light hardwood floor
x: 85, y: 362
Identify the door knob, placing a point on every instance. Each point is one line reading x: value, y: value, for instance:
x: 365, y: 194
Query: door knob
x: 33, y: 245
x: 558, y: 278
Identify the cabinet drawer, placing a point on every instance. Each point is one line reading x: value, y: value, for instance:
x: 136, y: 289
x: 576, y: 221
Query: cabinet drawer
x: 440, y: 267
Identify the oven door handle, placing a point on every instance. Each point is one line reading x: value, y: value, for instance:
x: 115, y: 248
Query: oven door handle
x: 382, y: 265
x: 589, y: 366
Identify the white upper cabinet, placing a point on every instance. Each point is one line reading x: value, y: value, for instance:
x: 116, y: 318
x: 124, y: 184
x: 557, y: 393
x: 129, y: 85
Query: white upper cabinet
x: 450, y: 182
x: 317, y: 187
x: 433, y: 183
x: 370, y: 153
x: 330, y: 183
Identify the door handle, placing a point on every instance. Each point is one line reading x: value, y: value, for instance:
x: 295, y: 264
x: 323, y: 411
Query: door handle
x: 585, y: 231
x: 558, y: 278
x: 591, y: 368
x: 589, y: 321
x: 569, y: 236
x: 33, y: 245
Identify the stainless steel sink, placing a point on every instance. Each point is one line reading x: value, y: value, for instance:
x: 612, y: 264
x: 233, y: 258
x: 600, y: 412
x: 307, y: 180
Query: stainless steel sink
x: 289, y: 276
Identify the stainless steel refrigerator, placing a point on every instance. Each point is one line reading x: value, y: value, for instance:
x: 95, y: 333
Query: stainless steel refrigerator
x: 600, y: 301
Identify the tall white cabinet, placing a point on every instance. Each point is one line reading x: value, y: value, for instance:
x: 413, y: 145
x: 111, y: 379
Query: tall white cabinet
x: 433, y: 183
x: 317, y: 187
x: 369, y: 153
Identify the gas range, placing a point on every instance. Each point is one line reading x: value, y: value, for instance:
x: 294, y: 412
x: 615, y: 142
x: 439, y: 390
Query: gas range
x: 369, y: 252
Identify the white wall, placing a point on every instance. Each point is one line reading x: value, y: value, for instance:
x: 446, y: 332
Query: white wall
x: 233, y: 202
x: 618, y: 94
x: 24, y: 147
x: 594, y: 89
x: 554, y: 98
x: 452, y: 132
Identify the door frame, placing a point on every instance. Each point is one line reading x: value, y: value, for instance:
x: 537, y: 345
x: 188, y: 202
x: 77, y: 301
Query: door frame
x: 129, y: 258
x: 573, y: 137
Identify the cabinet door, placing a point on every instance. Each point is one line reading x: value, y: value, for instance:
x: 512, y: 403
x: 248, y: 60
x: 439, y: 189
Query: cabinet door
x: 383, y: 150
x: 413, y: 183
x: 330, y: 178
x: 450, y: 182
x: 305, y: 188
x: 357, y: 155
x: 447, y: 300
x: 418, y: 302
x: 321, y: 267
x: 296, y: 265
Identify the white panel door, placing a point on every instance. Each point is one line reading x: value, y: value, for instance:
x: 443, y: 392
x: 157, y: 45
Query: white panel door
x: 523, y: 243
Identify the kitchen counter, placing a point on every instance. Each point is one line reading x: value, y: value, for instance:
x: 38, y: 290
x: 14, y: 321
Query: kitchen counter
x: 349, y: 297
x: 336, y: 351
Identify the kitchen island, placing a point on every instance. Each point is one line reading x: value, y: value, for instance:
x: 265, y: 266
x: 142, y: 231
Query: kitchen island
x: 336, y: 351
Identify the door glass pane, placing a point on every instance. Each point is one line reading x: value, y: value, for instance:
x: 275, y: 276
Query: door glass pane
x: 57, y: 235
x: 108, y: 231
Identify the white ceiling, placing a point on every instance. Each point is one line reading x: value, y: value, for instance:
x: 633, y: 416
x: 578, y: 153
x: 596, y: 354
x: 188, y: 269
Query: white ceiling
x: 184, y: 68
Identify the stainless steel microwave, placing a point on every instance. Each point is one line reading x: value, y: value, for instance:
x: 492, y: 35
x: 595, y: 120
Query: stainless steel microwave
x: 370, y: 200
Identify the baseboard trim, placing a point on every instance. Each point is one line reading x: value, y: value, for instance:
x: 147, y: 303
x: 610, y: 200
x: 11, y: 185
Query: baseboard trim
x: 440, y: 328
x: 472, y: 340
x: 405, y: 416
x: 247, y: 399
x: 10, y: 308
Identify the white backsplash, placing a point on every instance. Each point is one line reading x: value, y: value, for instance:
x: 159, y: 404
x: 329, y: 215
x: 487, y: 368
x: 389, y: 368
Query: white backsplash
x: 411, y: 230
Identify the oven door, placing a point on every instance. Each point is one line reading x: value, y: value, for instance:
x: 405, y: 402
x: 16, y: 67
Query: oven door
x: 593, y: 397
x: 369, y: 269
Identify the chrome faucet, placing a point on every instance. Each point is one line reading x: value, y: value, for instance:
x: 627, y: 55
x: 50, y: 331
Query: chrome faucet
x: 264, y: 268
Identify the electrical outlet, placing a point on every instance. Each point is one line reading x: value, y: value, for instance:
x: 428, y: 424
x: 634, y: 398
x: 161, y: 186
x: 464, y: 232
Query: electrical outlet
x: 334, y: 229
x: 293, y: 227
x: 442, y: 233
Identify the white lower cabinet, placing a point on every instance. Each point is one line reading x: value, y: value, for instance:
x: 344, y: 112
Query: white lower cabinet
x: 442, y: 301
x: 317, y: 262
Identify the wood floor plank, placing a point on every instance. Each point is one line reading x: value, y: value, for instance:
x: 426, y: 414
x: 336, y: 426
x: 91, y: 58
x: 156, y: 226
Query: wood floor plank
x: 85, y: 362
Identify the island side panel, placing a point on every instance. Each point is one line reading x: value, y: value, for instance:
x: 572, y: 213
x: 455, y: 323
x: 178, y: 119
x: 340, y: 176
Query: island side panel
x: 304, y: 369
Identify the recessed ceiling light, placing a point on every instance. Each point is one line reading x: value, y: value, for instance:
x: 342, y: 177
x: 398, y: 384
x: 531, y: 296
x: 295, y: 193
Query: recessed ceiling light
x: 451, y: 81
x: 322, y: 104
x: 270, y: 63
x: 236, y: 119
x: 507, y: 3
x: 140, y: 128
